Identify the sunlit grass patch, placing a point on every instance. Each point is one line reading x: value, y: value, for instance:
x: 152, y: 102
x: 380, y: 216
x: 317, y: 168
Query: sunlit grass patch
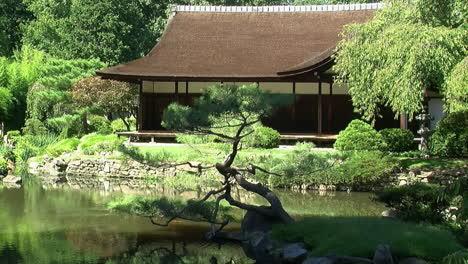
x: 359, y: 236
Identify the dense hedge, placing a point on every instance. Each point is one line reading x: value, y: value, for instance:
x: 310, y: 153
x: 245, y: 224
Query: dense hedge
x: 418, y: 202
x: 265, y: 137
x: 451, y: 135
x: 359, y: 135
x: 397, y: 139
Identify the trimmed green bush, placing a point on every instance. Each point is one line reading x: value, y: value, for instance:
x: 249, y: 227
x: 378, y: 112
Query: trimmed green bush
x: 34, y: 127
x: 417, y: 202
x: 359, y: 237
x: 451, y: 135
x: 359, y: 135
x: 13, y: 136
x: 95, y: 143
x: 3, y: 166
x: 397, y: 139
x: 363, y: 167
x: 99, y: 125
x: 118, y: 125
x: 264, y: 137
x: 63, y: 146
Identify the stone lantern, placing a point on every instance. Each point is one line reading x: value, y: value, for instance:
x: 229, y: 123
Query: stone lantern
x: 424, y: 131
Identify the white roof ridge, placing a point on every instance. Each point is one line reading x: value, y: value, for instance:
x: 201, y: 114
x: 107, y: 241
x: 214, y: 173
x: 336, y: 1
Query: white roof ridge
x: 277, y: 9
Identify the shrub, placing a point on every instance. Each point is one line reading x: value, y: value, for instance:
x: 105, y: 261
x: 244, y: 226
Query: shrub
x: 451, y: 135
x: 417, y: 202
x: 99, y: 125
x: 397, y: 139
x: 29, y: 146
x: 63, y: 146
x: 189, y: 139
x: 34, y: 127
x: 95, y: 143
x: 67, y: 126
x: 3, y: 165
x: 359, y: 135
x: 359, y: 236
x: 13, y: 136
x: 363, y: 167
x: 118, y: 125
x: 264, y: 137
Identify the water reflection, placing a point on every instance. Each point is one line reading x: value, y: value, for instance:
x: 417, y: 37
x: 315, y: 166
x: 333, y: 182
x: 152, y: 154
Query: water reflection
x: 61, y: 225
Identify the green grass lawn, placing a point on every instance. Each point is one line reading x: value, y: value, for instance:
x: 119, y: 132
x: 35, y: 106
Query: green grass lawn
x: 359, y: 237
x: 433, y: 163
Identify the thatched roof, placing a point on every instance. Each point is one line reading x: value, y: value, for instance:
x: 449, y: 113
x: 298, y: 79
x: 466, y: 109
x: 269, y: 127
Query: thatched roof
x: 244, y: 42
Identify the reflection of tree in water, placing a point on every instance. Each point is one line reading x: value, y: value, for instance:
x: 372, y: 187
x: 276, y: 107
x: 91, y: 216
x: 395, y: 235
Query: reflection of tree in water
x: 172, y: 252
x: 102, y: 244
x: 10, y: 255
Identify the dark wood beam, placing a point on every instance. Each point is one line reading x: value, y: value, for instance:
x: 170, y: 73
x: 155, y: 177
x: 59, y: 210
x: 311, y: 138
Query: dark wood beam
x: 330, y: 109
x: 293, y: 112
x: 319, y: 107
x: 176, y: 88
x: 140, y: 107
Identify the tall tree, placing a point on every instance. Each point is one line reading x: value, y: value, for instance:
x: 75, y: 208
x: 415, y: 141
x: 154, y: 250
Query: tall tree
x: 13, y: 15
x: 106, y: 97
x: 408, y: 48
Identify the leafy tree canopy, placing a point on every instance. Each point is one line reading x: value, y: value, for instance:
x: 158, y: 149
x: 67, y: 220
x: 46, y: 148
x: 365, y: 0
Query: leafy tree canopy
x: 456, y: 93
x: 13, y: 15
x: 410, y: 46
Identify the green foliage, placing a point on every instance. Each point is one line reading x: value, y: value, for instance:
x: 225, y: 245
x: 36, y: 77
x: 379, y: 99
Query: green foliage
x: 118, y: 124
x: 359, y: 237
x: 165, y: 207
x: 409, y: 46
x: 29, y: 146
x: 3, y: 165
x: 363, y: 167
x: 397, y: 139
x: 49, y: 97
x: 13, y: 14
x: 63, y: 146
x: 17, y: 75
x: 67, y: 125
x: 95, y: 143
x: 417, y: 202
x: 110, y: 30
x: 456, y: 94
x: 459, y: 257
x: 451, y: 135
x: 185, y: 181
x: 189, y: 139
x: 13, y: 136
x: 6, y: 101
x: 264, y: 137
x: 99, y: 125
x: 359, y: 135
x: 34, y: 127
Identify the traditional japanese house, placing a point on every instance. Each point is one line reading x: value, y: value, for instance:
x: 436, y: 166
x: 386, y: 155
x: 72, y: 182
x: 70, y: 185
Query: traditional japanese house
x: 285, y: 49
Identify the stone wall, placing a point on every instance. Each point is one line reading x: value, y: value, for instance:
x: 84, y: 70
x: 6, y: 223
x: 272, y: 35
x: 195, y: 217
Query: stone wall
x: 113, y: 174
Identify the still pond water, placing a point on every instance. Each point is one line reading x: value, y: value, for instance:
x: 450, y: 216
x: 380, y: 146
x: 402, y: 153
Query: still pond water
x: 60, y: 225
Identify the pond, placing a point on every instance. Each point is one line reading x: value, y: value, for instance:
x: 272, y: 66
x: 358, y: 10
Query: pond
x: 60, y: 225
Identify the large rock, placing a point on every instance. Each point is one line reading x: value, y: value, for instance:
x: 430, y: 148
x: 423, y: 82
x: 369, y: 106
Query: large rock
x: 383, y: 255
x: 294, y: 253
x: 258, y: 246
x: 11, y: 179
x: 412, y: 261
x: 389, y: 213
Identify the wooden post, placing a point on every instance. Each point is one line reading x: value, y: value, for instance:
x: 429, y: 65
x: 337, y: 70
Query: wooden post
x: 403, y: 121
x: 140, y: 107
x: 319, y: 107
x: 176, y: 91
x: 186, y: 93
x: 294, y: 105
x: 330, y: 109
